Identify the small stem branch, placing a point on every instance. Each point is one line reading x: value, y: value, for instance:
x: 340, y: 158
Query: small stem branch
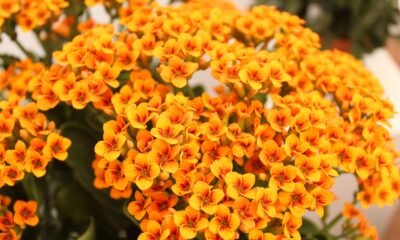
x: 24, y: 50
x: 332, y: 223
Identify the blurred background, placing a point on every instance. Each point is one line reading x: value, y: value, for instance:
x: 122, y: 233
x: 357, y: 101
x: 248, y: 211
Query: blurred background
x: 369, y: 29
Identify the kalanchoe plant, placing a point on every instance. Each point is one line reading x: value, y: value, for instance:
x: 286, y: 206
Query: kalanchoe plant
x: 142, y: 153
x: 358, y: 26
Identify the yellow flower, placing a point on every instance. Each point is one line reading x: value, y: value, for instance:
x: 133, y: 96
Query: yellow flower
x: 240, y: 185
x: 283, y: 177
x: 204, y: 198
x: 190, y: 222
x: 143, y: 171
x: 167, y: 131
x: 225, y: 223
x: 177, y: 72
x: 297, y: 201
x: 110, y: 147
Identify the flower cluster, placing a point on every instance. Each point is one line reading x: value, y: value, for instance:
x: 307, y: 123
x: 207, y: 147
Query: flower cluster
x: 357, y: 224
x: 247, y: 161
x: 229, y: 165
x: 28, y: 141
x: 12, y: 223
x: 31, y: 14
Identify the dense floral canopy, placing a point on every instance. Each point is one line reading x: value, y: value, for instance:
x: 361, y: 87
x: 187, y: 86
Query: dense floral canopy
x: 247, y: 160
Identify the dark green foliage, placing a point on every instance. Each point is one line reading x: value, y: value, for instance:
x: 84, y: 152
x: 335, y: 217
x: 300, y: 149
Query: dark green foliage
x: 364, y: 22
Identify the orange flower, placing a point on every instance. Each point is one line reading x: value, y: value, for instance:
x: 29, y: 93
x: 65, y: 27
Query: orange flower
x: 271, y: 153
x: 56, y: 146
x: 204, y: 198
x: 110, y: 147
x: 282, y: 177
x: 279, y: 119
x: 191, y: 45
x: 277, y: 74
x: 291, y: 224
x: 266, y: 198
x: 7, y: 222
x: 153, y: 231
x: 9, y: 235
x: 247, y: 211
x: 24, y: 213
x: 62, y: 87
x: 190, y: 222
x: 363, y: 162
x: 177, y: 72
x: 322, y: 198
x: 167, y: 131
x: 224, y: 222
x: 11, y: 175
x: 221, y: 167
x: 6, y: 127
x: 138, y: 207
x: 138, y: 116
x: 309, y: 167
x: 114, y: 175
x: 214, y: 128
x: 26, y: 114
x: 189, y: 152
x: 297, y: 201
x: 164, y: 155
x: 254, y: 74
x: 295, y: 146
x: 107, y: 74
x: 80, y: 95
x: 256, y: 234
x: 17, y: 156
x: 147, y: 44
x: 349, y: 211
x: 36, y: 164
x: 240, y: 185
x: 143, y: 171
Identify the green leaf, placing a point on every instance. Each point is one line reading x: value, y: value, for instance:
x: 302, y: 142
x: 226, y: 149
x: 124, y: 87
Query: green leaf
x: 90, y: 233
x: 74, y: 202
x: 308, y: 227
x: 34, y: 187
x: 80, y: 158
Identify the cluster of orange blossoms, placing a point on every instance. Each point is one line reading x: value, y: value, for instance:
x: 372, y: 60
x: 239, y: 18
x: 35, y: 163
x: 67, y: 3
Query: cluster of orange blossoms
x: 31, y: 14
x: 250, y: 160
x: 13, y: 222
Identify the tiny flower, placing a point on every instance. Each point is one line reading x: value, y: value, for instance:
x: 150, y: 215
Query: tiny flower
x: 322, y: 198
x: 297, y: 201
x: 167, y: 131
x: 110, y: 147
x: 143, y: 171
x: 36, y: 164
x: 254, y: 74
x: 224, y: 222
x: 266, y: 198
x: 282, y: 177
x: 153, y: 231
x: 12, y: 174
x: 177, y: 72
x: 240, y: 185
x: 291, y: 224
x: 56, y: 146
x: 25, y: 213
x: 204, y: 198
x: 138, y: 116
x: 164, y: 155
x: 190, y: 222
